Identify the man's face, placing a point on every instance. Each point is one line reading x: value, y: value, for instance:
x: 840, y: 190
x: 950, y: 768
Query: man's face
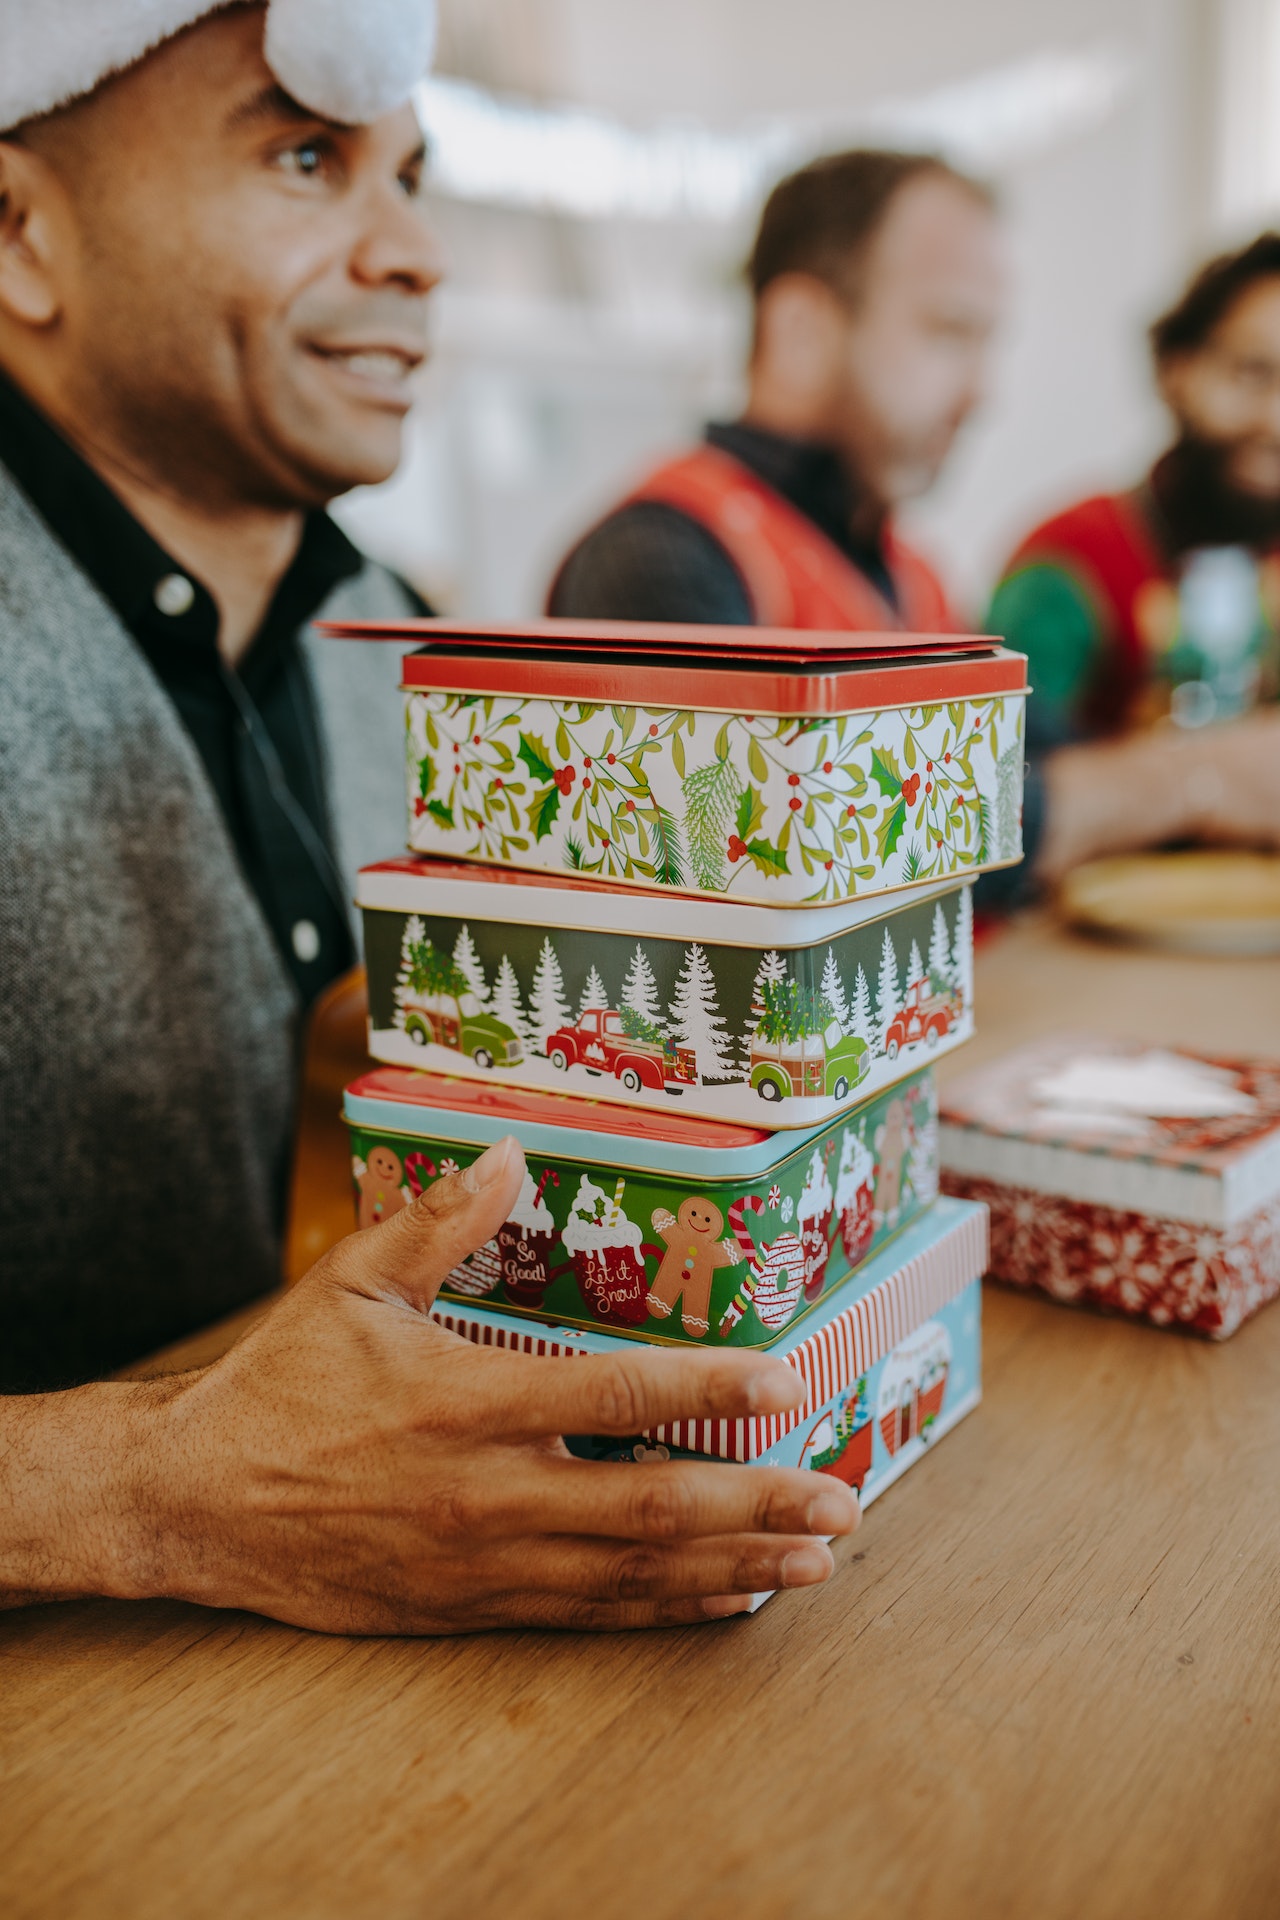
x: 1225, y: 395
x: 247, y: 297
x: 916, y: 344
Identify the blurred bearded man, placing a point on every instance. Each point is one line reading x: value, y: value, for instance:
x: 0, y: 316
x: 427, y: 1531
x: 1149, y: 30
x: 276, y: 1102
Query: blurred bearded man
x: 1149, y: 617
x: 877, y: 281
x: 214, y: 269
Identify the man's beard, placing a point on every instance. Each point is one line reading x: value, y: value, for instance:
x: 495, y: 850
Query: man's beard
x: 1203, y: 507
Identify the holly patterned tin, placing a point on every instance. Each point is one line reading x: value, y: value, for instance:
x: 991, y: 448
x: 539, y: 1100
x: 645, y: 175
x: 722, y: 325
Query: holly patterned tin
x: 775, y: 1016
x: 1140, y: 1180
x: 655, y: 1226
x: 889, y: 1365
x: 794, y: 769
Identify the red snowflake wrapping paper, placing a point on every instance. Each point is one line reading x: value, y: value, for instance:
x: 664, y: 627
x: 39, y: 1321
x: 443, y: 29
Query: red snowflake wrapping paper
x: 1105, y: 1191
x: 1170, y: 1272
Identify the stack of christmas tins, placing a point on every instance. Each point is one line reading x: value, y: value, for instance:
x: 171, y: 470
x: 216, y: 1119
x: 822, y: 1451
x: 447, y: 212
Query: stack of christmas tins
x: 688, y: 911
x: 1131, y: 1178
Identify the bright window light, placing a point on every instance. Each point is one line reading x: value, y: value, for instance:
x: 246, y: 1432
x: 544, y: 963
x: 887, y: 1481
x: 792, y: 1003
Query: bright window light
x: 570, y: 160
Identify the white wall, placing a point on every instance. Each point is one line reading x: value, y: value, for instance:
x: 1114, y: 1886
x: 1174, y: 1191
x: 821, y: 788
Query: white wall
x: 571, y: 352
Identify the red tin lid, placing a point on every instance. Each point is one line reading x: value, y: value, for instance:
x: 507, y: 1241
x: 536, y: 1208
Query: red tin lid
x: 413, y: 1088
x: 620, y: 637
x: 724, y: 689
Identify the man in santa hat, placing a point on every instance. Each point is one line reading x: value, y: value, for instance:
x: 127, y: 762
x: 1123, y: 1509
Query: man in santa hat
x: 214, y: 271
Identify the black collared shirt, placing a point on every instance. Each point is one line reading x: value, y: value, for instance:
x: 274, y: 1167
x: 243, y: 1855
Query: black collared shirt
x: 255, y: 727
x: 650, y: 561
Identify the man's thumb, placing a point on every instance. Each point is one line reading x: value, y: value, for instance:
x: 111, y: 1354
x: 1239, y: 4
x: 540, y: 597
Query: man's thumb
x: 412, y: 1252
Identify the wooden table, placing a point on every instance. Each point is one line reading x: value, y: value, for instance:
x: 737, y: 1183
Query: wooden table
x: 1044, y: 1681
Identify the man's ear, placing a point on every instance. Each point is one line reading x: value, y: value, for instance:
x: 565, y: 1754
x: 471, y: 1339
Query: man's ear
x: 800, y: 331
x: 34, y: 222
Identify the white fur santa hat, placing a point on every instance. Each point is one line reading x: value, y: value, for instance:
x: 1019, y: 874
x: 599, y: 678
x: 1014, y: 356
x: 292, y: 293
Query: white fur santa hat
x: 349, y: 60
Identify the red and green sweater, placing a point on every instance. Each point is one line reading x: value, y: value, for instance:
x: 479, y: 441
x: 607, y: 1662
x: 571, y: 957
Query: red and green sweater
x: 1120, y: 630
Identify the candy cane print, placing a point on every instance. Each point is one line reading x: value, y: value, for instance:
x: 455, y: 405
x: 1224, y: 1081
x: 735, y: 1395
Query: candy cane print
x: 746, y: 1293
x: 413, y: 1162
x: 548, y: 1173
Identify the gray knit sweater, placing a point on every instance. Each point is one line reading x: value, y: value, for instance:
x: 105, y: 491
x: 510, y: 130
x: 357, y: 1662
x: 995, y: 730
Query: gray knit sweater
x: 148, y: 1029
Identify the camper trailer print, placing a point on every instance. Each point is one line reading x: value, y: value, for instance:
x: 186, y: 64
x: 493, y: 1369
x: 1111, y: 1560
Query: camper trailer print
x: 913, y: 1385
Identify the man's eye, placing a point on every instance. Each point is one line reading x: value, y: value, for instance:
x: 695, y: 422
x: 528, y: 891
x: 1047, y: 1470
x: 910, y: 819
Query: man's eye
x: 307, y: 159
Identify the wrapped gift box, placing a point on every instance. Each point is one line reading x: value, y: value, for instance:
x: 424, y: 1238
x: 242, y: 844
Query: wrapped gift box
x: 889, y: 1365
x: 1125, y: 1177
x: 778, y: 767
x: 651, y: 1224
x: 751, y: 1014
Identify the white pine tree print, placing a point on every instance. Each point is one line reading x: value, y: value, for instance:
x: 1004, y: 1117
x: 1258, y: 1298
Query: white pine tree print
x: 861, y: 1020
x: 962, y: 946
x: 940, y: 950
x: 467, y: 961
x: 696, y: 1021
x: 593, y: 994
x: 771, y: 969
x: 550, y: 1009
x: 833, y: 990
x: 888, y: 995
x: 508, y: 1006
x: 915, y: 965
x: 640, y: 989
x: 413, y: 932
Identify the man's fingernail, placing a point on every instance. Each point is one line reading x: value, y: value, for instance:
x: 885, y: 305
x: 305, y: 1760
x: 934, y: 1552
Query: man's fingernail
x: 832, y: 1512
x: 491, y: 1166
x: 725, y: 1604
x: 806, y: 1566
x: 777, y: 1388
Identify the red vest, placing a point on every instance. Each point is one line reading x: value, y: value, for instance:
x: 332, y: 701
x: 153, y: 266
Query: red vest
x: 794, y: 575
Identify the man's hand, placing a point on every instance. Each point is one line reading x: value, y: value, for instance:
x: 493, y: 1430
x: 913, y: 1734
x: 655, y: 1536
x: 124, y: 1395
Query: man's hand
x: 1216, y: 784
x: 352, y: 1467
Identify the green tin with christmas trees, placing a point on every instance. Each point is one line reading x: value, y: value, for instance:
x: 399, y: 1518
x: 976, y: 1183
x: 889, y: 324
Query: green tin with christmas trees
x: 767, y: 1017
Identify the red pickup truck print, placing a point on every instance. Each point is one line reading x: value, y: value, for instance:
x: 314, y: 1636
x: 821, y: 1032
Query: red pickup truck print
x: 923, y: 1015
x: 600, y: 1043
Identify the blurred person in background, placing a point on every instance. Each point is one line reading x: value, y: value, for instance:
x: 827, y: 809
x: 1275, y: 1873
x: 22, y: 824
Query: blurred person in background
x: 214, y: 274
x: 877, y: 281
x: 1151, y: 618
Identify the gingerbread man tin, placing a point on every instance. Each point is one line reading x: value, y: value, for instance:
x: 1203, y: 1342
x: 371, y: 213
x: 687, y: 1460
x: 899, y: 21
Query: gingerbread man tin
x: 750, y: 764
x: 652, y: 1226
x: 766, y: 1016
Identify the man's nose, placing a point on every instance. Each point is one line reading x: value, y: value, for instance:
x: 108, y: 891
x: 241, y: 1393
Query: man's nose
x: 398, y: 245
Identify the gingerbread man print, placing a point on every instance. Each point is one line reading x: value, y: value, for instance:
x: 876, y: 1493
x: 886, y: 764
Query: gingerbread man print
x: 891, y: 1148
x: 694, y: 1252
x: 381, y: 1186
